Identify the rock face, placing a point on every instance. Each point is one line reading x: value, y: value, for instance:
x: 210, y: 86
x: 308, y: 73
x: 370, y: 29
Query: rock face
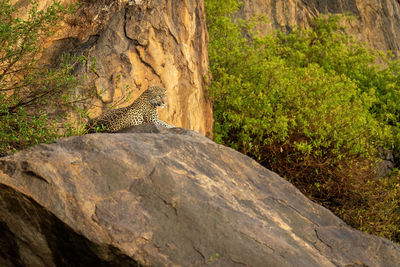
x: 377, y: 21
x: 166, y: 198
x: 140, y: 43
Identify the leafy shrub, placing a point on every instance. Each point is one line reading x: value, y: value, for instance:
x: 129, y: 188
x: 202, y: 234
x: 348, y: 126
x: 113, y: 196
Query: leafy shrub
x: 30, y: 93
x: 310, y: 105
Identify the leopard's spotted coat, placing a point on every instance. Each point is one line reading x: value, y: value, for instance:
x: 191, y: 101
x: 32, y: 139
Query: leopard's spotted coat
x: 142, y: 110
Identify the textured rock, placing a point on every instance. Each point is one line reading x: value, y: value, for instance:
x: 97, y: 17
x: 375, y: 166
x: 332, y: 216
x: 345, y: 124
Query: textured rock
x: 377, y: 21
x: 141, y: 43
x: 165, y: 199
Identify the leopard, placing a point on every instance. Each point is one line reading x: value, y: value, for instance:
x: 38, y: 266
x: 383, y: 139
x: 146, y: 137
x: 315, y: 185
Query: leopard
x: 142, y: 110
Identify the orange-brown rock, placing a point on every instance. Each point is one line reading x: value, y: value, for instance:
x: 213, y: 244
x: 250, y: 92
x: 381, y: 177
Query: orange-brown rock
x: 140, y: 43
x: 377, y: 21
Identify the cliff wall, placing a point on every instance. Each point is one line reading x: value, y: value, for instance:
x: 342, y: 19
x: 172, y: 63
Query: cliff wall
x: 137, y: 44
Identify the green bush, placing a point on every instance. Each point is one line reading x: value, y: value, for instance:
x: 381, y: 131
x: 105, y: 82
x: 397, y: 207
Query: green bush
x: 33, y: 99
x: 325, y: 44
x: 310, y: 105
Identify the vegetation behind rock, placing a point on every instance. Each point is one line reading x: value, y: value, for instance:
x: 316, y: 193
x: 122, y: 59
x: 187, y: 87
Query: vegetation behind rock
x: 34, y: 99
x: 312, y: 105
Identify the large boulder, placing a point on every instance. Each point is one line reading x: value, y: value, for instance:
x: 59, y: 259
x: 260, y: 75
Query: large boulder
x: 166, y: 198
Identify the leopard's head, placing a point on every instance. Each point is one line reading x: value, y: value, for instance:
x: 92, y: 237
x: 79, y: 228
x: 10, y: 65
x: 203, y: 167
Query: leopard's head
x: 157, y: 96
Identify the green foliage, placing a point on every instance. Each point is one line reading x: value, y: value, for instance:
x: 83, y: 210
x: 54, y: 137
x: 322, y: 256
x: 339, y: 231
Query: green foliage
x: 311, y: 105
x: 30, y: 93
x: 276, y: 93
x: 325, y: 44
x: 214, y: 257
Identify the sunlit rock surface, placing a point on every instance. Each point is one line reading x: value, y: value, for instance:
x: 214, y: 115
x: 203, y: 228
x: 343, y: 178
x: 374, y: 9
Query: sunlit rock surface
x: 136, y: 44
x: 170, y: 197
